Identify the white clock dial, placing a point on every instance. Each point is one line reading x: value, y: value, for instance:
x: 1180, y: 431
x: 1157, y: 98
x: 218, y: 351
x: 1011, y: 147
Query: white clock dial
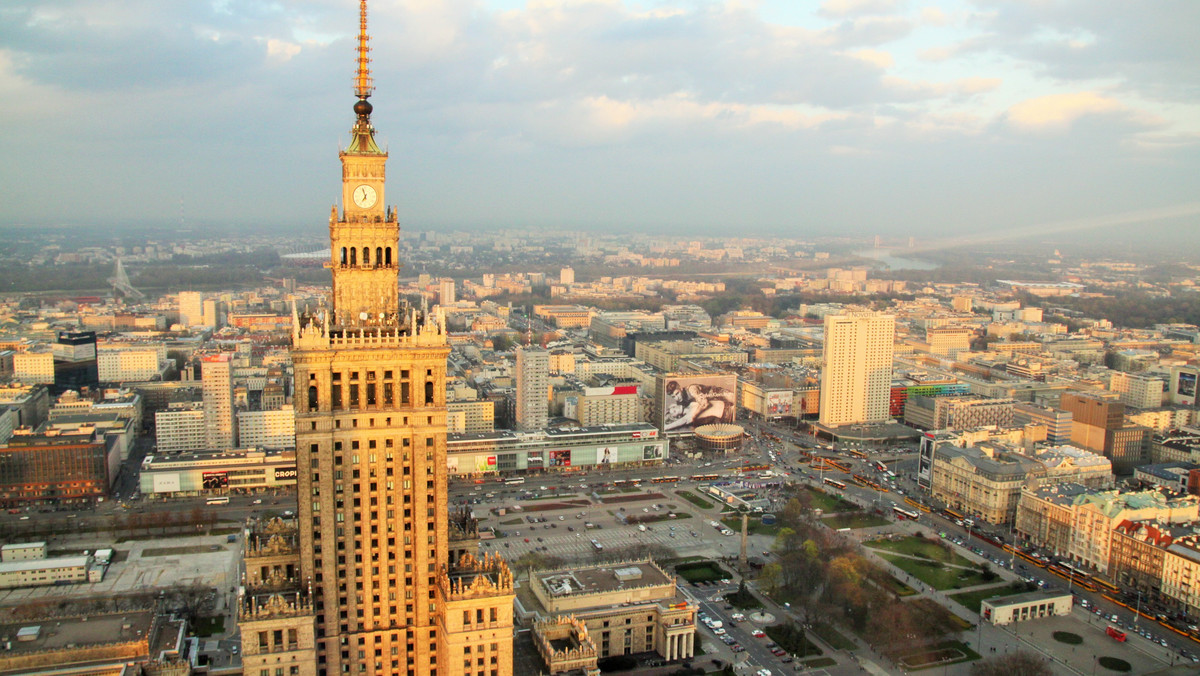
x: 364, y: 196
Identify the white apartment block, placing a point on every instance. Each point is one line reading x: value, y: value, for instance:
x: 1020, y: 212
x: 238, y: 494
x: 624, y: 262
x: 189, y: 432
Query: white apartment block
x: 34, y: 366
x: 191, y: 308
x: 533, y: 388
x: 180, y: 428
x: 606, y: 405
x: 856, y: 374
x: 1137, y: 390
x: 121, y: 363
x: 216, y: 385
x: 274, y: 429
x: 471, y: 417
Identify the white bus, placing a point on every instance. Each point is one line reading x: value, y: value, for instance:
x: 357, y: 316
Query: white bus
x: 224, y: 500
x: 514, y: 482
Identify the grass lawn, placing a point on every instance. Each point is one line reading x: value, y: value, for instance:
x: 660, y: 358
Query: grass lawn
x: 791, y: 638
x: 754, y: 527
x: 818, y: 663
x: 702, y: 571
x: 918, y: 546
x: 207, y: 626
x: 895, y: 586
x: 695, y: 499
x: 973, y: 600
x: 827, y: 502
x: 934, y: 574
x: 833, y: 637
x: 855, y: 520
x: 946, y: 652
x: 512, y: 522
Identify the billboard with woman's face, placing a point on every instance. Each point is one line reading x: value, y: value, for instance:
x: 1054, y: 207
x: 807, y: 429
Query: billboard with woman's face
x: 691, y: 401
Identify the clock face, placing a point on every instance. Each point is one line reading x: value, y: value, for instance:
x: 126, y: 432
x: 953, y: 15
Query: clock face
x: 364, y: 196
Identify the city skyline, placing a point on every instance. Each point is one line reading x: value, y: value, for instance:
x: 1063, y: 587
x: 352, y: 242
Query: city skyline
x: 864, y: 116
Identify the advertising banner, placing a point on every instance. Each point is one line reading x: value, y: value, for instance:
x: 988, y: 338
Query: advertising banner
x: 779, y: 403
x: 166, y: 483
x: 652, y: 452
x: 691, y: 401
x: 485, y: 463
x: 606, y: 455
x: 452, y: 464
x: 1187, y: 384
x: 560, y: 458
x: 285, y: 473
x: 213, y: 480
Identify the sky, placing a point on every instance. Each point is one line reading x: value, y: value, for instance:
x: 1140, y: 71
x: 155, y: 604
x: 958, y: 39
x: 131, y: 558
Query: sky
x: 801, y: 118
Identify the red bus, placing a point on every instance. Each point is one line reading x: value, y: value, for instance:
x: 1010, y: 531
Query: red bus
x: 1116, y: 634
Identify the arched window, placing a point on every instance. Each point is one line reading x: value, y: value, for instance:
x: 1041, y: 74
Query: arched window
x: 387, y: 256
x: 366, y: 255
x: 312, y: 398
x: 428, y: 392
x: 353, y: 256
x: 378, y: 256
x: 343, y: 255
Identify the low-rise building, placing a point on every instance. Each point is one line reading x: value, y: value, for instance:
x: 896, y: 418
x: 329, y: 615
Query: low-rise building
x: 1021, y: 607
x: 217, y: 473
x: 626, y: 608
x: 555, y: 450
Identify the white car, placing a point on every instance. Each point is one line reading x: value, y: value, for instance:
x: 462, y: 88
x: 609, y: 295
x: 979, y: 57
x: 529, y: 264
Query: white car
x: 764, y: 672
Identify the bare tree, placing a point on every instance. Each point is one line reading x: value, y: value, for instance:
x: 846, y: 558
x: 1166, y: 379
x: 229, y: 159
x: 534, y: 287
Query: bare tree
x: 1020, y: 663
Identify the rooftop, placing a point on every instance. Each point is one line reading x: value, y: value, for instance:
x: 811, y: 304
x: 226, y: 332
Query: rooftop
x: 602, y: 578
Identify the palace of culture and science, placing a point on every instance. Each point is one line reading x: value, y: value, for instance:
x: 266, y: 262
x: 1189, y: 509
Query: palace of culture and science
x: 374, y: 578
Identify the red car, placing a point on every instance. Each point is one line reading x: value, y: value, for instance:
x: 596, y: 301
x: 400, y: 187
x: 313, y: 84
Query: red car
x: 778, y: 652
x: 758, y: 633
x: 527, y: 539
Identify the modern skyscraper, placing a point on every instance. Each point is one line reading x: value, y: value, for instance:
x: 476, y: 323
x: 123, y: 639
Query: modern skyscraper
x: 374, y: 535
x: 533, y: 388
x: 856, y: 372
x: 216, y: 385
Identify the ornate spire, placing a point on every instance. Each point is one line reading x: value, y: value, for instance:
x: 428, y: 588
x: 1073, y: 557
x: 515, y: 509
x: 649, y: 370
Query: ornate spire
x: 363, y: 85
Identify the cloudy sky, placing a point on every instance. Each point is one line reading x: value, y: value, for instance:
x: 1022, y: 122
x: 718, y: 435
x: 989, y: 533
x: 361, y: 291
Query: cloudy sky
x: 786, y: 116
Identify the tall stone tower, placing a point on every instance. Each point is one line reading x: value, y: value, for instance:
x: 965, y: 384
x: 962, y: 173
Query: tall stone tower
x: 373, y: 527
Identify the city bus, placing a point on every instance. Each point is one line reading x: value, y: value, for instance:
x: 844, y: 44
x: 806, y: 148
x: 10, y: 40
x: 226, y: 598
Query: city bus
x: 664, y: 480
x: 919, y: 505
x: 223, y: 500
x: 901, y: 513
x: 953, y: 515
x: 514, y: 482
x: 1105, y: 584
x: 705, y: 477
x: 840, y: 485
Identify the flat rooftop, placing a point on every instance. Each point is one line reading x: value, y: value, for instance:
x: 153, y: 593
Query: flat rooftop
x: 65, y: 632
x: 605, y: 578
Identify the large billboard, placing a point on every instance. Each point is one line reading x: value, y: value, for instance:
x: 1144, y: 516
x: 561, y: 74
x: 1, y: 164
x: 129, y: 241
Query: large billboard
x: 691, y: 401
x: 606, y: 455
x: 212, y: 480
x: 560, y: 458
x: 485, y: 463
x: 779, y: 404
x: 1187, y: 384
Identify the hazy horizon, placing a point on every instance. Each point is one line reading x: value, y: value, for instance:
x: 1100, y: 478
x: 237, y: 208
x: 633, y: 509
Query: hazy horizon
x: 860, y: 117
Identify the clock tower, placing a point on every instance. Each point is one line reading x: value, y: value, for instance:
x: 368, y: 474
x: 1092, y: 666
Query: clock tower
x: 364, y: 235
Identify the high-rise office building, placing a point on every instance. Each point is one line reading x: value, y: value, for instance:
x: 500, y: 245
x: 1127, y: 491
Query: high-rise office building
x: 191, y: 308
x: 566, y: 276
x: 374, y: 539
x: 856, y: 372
x: 216, y: 387
x: 75, y: 366
x: 533, y: 388
x: 446, y: 291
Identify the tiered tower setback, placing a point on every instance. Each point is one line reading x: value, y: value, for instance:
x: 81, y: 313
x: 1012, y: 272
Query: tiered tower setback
x: 373, y: 527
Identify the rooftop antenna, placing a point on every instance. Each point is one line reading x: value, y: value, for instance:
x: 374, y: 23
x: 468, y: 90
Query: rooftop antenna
x: 363, y: 85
